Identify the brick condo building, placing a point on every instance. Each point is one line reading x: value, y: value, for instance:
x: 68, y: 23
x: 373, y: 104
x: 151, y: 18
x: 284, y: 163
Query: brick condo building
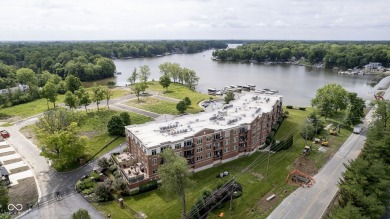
x: 204, y: 139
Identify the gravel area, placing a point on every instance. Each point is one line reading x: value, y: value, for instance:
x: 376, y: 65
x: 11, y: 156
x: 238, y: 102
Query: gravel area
x: 25, y: 192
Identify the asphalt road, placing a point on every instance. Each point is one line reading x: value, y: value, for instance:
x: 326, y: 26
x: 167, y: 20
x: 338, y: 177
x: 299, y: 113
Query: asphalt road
x: 312, y: 202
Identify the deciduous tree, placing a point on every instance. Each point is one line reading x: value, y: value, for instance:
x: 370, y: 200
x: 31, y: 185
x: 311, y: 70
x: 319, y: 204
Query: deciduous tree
x: 71, y: 100
x: 229, y: 97
x: 181, y: 106
x: 49, y: 91
x: 97, y: 94
x: 174, y: 174
x: 165, y: 81
x: 330, y: 98
x: 81, y: 214
x: 144, y: 73
x: 133, y: 76
x: 84, y: 98
x: 116, y: 126
x: 73, y: 83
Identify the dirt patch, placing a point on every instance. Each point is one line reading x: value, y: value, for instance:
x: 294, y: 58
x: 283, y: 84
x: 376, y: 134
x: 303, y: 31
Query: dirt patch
x: 4, y: 146
x: 263, y: 206
x: 12, y: 161
x: 29, y: 133
x: 23, y: 193
x: 305, y: 165
x: 258, y: 175
x: 89, y: 134
x: 19, y: 169
x: 7, y: 153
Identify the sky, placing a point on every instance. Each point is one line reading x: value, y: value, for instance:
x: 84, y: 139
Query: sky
x: 52, y: 20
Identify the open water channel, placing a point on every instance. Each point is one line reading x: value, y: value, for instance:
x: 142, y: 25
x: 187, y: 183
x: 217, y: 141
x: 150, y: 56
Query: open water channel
x: 297, y: 84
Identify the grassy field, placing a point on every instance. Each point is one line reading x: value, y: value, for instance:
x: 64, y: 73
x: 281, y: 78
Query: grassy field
x: 256, y: 188
x: 179, y: 91
x: 39, y: 106
x: 154, y: 105
x: 29, y: 109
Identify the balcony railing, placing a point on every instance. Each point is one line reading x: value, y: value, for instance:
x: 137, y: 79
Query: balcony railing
x: 189, y: 146
x: 189, y: 155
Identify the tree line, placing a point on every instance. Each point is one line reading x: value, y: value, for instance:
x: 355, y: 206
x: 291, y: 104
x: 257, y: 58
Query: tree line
x: 364, y: 188
x: 81, y: 57
x: 331, y: 54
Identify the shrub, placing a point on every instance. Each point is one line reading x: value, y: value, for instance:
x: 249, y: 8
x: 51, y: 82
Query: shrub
x: 302, y: 108
x: 237, y: 194
x: 113, y: 168
x: 81, y: 214
x: 103, y: 191
x: 149, y: 186
x: 103, y: 163
x: 289, y: 107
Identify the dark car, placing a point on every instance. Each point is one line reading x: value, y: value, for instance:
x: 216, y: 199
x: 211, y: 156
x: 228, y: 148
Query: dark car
x: 4, y: 134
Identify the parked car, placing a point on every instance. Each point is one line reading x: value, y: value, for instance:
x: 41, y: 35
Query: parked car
x: 4, y: 134
x: 357, y: 129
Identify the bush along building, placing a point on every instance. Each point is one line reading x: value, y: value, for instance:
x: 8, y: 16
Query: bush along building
x: 205, y: 139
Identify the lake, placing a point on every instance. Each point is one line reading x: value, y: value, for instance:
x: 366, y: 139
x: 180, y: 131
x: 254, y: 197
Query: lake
x: 297, y: 84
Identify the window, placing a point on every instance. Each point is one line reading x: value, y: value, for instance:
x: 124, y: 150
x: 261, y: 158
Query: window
x: 154, y: 170
x: 208, y: 146
x: 178, y: 146
x: 234, y: 147
x: 235, y: 140
x: 154, y: 152
x: 235, y: 131
x: 199, y: 141
x: 187, y: 143
x: 226, y: 141
x: 154, y: 161
x: 199, y: 149
x: 208, y: 155
x: 199, y: 158
x: 227, y: 133
x: 226, y: 150
x: 209, y: 137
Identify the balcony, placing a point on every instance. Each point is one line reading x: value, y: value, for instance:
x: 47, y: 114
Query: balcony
x: 188, y: 155
x: 187, y: 146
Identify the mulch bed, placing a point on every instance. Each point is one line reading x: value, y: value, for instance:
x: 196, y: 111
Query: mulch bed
x: 12, y: 161
x: 7, y: 153
x: 25, y: 192
x: 4, y: 146
x: 19, y: 169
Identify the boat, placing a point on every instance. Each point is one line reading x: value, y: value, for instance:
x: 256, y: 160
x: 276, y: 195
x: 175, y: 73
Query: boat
x: 274, y: 91
x: 259, y: 91
x: 118, y: 73
x: 232, y: 86
x: 211, y: 91
x: 246, y: 87
x: 269, y: 92
x: 251, y: 86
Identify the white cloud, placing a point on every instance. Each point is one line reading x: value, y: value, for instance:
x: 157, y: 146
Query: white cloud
x: 206, y: 19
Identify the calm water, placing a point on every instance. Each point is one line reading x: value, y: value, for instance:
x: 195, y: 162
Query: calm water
x: 297, y: 84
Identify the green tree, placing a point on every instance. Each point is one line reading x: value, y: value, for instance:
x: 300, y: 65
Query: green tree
x: 107, y: 95
x: 97, y: 94
x: 81, y: 214
x: 229, y: 97
x: 73, y: 83
x: 49, y: 91
x: 5, y: 216
x: 133, y: 76
x: 189, y: 77
x: 103, y: 163
x: 116, y: 126
x: 125, y: 116
x: 138, y: 88
x: 44, y: 78
x: 181, y: 106
x: 355, y: 110
x: 4, y: 198
x: 165, y: 81
x: 187, y: 101
x: 26, y: 76
x: 382, y: 113
x: 83, y: 96
x: 175, y: 175
x: 71, y: 100
x: 63, y: 147
x: 55, y: 120
x: 103, y: 191
x: 144, y: 73
x: 330, y: 98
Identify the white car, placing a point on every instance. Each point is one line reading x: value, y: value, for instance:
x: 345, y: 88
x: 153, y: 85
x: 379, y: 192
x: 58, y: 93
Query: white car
x: 357, y: 129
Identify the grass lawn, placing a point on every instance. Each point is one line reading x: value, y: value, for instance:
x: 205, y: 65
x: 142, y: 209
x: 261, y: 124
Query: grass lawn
x: 154, y: 105
x: 29, y: 109
x: 179, y: 91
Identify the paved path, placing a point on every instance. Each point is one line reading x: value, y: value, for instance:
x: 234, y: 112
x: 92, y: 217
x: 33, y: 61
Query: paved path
x: 312, y: 202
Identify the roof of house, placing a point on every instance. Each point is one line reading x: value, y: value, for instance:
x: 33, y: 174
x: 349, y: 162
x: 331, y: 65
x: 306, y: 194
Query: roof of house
x: 243, y: 110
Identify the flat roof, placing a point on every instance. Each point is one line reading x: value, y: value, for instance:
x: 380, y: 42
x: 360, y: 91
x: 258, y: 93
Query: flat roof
x: 243, y: 110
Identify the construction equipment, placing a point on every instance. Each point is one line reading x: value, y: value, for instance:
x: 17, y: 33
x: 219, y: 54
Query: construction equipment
x: 378, y: 97
x: 300, y: 178
x: 333, y: 131
x: 325, y: 142
x: 306, y: 150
